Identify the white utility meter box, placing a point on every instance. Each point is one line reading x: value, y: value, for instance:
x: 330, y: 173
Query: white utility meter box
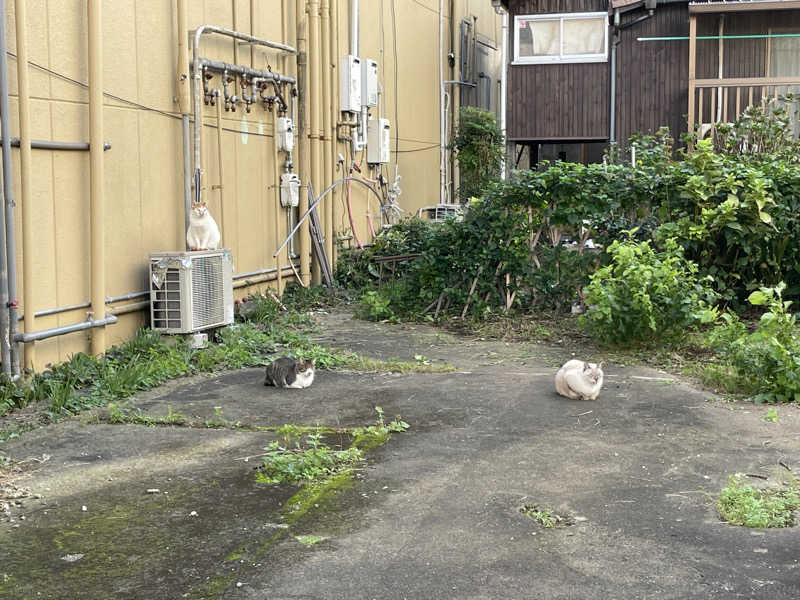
x: 285, y: 131
x: 379, y: 141
x: 350, y: 69
x: 369, y: 83
x: 290, y: 190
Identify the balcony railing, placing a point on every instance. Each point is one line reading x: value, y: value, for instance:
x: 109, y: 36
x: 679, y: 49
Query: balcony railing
x: 724, y: 100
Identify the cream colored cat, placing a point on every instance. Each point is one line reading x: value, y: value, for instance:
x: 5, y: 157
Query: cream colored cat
x: 203, y: 233
x: 579, y: 380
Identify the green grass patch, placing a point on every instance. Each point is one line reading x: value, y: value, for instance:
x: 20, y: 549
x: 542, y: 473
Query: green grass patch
x: 544, y: 516
x: 309, y: 540
x: 289, y: 461
x: 743, y: 504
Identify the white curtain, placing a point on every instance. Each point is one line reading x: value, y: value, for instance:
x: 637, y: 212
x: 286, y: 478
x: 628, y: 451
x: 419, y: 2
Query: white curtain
x: 584, y: 36
x: 546, y: 37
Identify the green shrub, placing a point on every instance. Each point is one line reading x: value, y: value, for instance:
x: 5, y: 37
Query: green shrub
x: 769, y: 356
x: 479, y: 147
x: 644, y: 296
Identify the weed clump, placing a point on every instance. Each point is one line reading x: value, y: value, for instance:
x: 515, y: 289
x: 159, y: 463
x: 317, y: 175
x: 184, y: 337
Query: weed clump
x: 743, y: 504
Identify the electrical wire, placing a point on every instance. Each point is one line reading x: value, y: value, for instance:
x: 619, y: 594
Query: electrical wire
x: 130, y: 102
x: 431, y: 147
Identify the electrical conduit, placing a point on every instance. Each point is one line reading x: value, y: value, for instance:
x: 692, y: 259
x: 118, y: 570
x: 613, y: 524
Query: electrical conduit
x: 97, y: 203
x: 28, y: 241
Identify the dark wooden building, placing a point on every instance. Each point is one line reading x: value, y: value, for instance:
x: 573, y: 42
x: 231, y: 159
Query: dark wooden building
x: 582, y: 73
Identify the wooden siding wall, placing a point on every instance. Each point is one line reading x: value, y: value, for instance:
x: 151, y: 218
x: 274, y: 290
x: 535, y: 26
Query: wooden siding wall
x: 557, y: 102
x: 653, y: 77
x: 742, y: 58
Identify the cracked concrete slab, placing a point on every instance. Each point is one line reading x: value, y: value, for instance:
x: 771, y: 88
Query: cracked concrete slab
x: 433, y: 513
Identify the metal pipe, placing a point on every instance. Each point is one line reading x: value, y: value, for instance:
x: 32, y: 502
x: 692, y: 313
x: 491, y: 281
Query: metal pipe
x: 44, y: 334
x: 197, y: 75
x: 51, y: 145
x: 303, y: 127
x: 504, y: 92
x: 97, y: 201
x: 187, y: 182
x: 259, y: 279
x: 222, y: 66
x: 315, y: 76
x: 183, y: 58
x: 129, y: 308
x: 612, y: 135
x: 28, y: 236
x: 326, y: 134
x: 261, y: 272
x: 10, y: 249
x: 130, y: 296
x: 334, y: 116
x: 442, y: 116
x: 221, y: 167
x: 5, y: 324
x: 354, y: 26
x: 276, y: 176
x: 63, y: 309
x: 60, y: 309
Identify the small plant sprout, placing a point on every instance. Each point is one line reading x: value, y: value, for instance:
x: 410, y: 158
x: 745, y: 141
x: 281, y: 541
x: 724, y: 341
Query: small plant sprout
x: 771, y: 416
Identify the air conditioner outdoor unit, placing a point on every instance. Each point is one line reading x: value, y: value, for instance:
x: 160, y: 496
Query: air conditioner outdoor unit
x: 191, y: 291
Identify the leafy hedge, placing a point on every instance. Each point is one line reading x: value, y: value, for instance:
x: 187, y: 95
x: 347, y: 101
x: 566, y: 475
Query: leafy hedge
x: 523, y: 246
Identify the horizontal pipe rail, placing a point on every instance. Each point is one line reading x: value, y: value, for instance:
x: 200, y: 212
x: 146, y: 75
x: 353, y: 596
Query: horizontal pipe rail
x: 35, y: 336
x: 263, y: 271
x: 221, y: 66
x: 52, y: 145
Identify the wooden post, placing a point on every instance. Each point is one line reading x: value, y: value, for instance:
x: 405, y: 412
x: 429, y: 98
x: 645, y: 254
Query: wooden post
x: 692, y: 61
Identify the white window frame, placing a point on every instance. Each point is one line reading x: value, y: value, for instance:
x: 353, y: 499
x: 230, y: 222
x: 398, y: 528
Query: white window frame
x: 561, y: 58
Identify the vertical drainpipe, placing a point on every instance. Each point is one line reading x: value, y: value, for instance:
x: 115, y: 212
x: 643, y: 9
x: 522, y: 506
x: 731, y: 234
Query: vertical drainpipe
x: 613, y: 95
x: 503, y: 91
x: 315, y: 92
x: 96, y: 168
x: 187, y: 181
x: 28, y: 241
x: 184, y: 103
x: 327, y: 159
x: 354, y: 23
x: 442, y: 141
x: 277, y: 213
x: 8, y: 185
x: 303, y: 127
x: 334, y: 110
x: 183, y: 58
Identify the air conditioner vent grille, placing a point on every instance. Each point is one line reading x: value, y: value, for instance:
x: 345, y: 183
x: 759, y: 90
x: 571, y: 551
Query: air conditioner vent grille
x: 191, y: 291
x: 207, y: 299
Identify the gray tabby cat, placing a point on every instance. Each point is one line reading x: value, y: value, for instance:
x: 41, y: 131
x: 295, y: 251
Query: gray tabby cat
x: 579, y: 380
x: 287, y: 372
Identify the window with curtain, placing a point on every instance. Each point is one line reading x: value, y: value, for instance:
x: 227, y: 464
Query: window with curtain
x: 564, y: 38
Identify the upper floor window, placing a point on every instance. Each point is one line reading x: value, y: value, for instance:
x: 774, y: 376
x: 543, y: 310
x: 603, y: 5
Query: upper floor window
x: 563, y: 38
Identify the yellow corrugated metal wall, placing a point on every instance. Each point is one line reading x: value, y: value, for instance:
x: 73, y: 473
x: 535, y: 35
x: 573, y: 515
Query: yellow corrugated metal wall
x: 144, y: 168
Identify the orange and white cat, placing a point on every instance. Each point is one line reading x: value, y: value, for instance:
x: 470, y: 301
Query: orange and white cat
x: 203, y: 232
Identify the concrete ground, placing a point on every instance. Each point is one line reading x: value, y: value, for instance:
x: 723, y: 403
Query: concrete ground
x: 432, y: 514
